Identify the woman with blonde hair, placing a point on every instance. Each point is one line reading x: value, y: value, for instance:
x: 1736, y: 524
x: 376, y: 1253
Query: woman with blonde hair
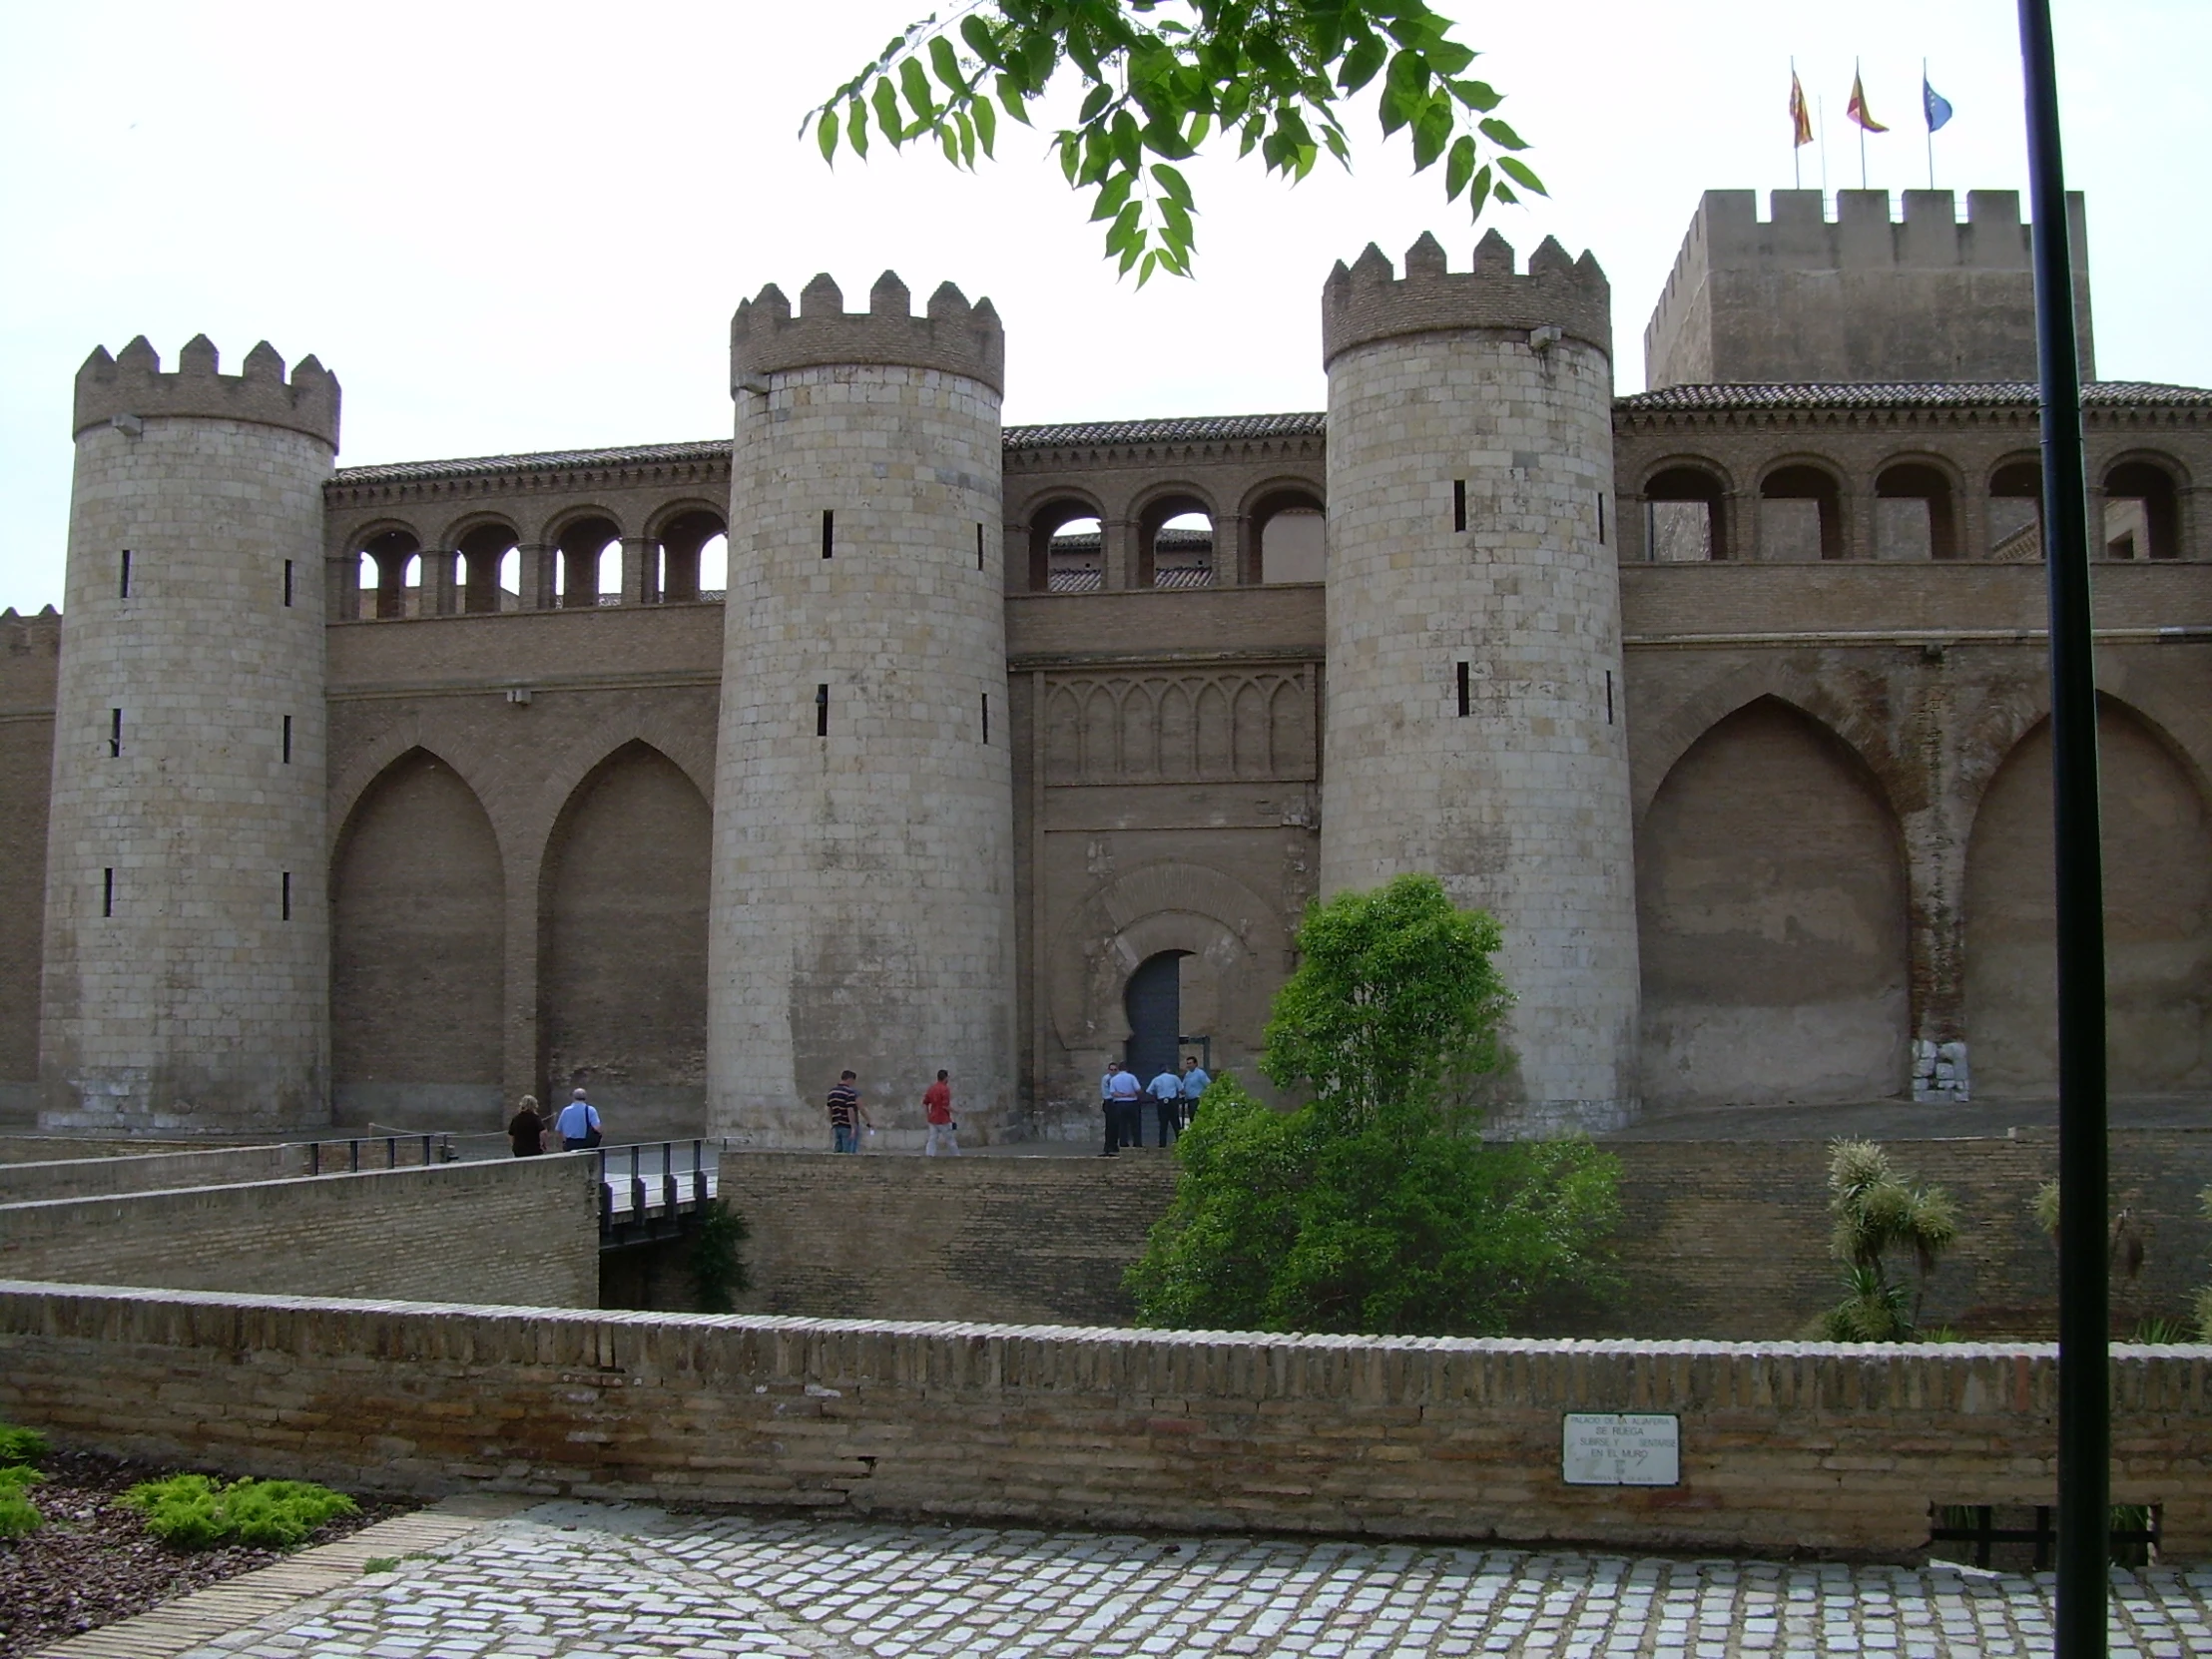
x: 526, y: 1130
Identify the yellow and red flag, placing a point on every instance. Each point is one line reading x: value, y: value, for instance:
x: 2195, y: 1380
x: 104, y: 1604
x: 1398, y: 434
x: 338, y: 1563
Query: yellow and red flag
x: 1801, y: 114
x: 1857, y: 107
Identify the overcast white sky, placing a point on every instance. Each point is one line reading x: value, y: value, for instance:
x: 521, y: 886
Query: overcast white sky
x: 514, y: 227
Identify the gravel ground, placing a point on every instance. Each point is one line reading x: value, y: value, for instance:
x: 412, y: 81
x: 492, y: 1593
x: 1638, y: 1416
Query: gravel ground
x: 93, y: 1563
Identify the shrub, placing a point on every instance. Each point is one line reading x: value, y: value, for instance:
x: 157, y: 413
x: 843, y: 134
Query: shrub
x: 18, y: 1515
x: 192, y: 1511
x: 1375, y: 1208
x: 718, y: 1271
x: 1877, y: 1213
x: 20, y: 1446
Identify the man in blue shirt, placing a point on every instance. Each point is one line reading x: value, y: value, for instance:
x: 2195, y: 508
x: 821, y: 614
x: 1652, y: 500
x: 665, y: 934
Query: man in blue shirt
x: 1128, y: 1098
x: 579, y: 1124
x: 1195, y: 1083
x: 1167, y: 1105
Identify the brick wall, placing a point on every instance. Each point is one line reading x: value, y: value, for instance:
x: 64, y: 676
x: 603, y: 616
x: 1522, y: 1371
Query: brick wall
x: 1722, y: 1240
x: 1783, y: 1447
x: 99, y: 1175
x: 522, y: 1232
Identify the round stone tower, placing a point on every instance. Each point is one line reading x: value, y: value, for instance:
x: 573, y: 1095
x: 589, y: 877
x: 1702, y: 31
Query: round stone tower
x: 863, y: 892
x: 187, y: 982
x: 1475, y: 727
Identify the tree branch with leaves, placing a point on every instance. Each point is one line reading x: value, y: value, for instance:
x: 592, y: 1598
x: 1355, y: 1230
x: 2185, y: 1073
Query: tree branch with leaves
x: 1162, y: 78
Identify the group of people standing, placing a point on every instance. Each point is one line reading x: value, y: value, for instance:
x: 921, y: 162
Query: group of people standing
x: 1174, y: 1096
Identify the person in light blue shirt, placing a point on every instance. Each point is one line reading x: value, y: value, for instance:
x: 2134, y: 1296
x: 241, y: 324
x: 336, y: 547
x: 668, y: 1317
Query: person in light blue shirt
x: 579, y: 1124
x: 1195, y: 1083
x: 1167, y: 1105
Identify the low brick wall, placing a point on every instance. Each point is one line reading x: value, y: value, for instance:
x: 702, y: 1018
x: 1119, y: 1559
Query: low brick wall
x: 1722, y: 1240
x: 1783, y: 1447
x: 149, y: 1172
x: 1007, y: 1239
x: 524, y: 1232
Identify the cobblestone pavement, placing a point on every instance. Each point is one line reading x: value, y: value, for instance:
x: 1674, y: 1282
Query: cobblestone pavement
x: 584, y: 1581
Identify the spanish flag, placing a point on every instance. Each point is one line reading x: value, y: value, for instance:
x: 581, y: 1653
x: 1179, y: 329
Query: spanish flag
x: 1801, y: 114
x: 1857, y: 107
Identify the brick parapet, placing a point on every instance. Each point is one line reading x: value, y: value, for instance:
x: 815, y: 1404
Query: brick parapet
x: 132, y: 384
x: 953, y: 337
x: 1368, y: 303
x: 1788, y: 1445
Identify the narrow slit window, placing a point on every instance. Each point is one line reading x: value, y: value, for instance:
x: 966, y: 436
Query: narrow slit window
x: 1458, y: 503
x: 287, y: 740
x: 822, y: 711
x: 107, y: 892
x: 1608, y: 697
x: 979, y: 546
x: 287, y: 581
x: 828, y: 531
x: 123, y: 584
x: 115, y: 733
x: 1601, y: 518
x: 1464, y: 696
x: 287, y: 895
x: 986, y: 717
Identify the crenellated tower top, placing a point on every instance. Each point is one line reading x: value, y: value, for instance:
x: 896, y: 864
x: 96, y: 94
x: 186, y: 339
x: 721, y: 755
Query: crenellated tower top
x: 952, y: 335
x: 132, y: 384
x: 1369, y: 302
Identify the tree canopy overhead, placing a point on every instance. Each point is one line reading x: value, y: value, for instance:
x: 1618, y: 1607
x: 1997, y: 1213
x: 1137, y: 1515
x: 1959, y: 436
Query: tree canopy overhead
x: 1160, y: 78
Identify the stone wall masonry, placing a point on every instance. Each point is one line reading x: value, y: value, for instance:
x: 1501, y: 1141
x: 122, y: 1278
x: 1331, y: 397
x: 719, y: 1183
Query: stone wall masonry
x: 522, y: 1232
x: 1783, y: 1448
x: 99, y: 1175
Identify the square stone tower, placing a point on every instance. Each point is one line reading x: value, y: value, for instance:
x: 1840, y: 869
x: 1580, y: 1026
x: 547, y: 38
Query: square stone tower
x: 1798, y: 297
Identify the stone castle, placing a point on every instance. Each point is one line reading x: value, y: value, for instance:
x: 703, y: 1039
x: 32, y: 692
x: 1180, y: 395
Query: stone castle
x: 387, y: 793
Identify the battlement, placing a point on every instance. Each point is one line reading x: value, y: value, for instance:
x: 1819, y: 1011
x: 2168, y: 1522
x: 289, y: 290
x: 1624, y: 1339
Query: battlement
x: 132, y: 384
x: 1862, y: 297
x: 1369, y: 302
x: 953, y: 337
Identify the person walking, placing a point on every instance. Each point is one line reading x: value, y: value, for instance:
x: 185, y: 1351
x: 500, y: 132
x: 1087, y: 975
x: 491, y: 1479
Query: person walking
x: 846, y: 1114
x: 579, y: 1124
x: 936, y: 1106
x: 1195, y: 1084
x: 1107, y: 1111
x: 1167, y: 1106
x: 526, y: 1130
x: 1128, y: 1107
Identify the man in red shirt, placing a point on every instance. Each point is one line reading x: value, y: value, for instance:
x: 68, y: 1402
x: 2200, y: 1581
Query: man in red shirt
x: 936, y: 1101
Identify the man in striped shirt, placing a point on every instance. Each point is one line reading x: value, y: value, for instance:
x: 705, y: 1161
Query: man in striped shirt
x: 846, y: 1114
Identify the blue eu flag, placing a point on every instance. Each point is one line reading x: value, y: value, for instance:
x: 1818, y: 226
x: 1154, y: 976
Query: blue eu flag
x: 1933, y: 104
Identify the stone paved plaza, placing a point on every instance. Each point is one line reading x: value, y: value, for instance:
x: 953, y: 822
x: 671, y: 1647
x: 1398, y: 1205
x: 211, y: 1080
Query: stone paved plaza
x: 591, y: 1581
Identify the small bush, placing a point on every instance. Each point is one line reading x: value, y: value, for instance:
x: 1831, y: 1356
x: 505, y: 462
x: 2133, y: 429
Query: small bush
x: 18, y: 1515
x: 717, y: 1270
x: 191, y: 1511
x: 20, y: 1446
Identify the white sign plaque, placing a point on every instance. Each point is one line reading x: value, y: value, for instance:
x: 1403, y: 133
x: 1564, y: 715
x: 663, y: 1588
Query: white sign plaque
x: 1621, y: 1448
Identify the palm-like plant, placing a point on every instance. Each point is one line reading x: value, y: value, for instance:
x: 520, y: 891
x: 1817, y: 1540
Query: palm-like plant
x: 1878, y: 1214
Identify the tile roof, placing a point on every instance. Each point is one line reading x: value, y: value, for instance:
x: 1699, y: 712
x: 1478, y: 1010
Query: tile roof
x: 550, y: 460
x: 1193, y: 430
x: 2098, y: 394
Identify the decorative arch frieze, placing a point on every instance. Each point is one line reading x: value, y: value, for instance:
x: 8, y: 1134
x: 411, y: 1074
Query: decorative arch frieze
x: 1181, y: 726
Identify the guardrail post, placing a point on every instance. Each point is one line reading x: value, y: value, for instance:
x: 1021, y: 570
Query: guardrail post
x: 392, y: 1152
x: 637, y: 1186
x: 315, y: 1157
x: 606, y: 1195
x: 668, y: 1179
x: 697, y: 1173
x: 354, y: 1155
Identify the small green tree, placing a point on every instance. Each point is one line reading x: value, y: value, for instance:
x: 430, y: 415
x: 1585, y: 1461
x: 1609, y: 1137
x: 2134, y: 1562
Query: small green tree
x: 717, y: 1270
x: 1877, y: 1213
x: 1375, y: 1208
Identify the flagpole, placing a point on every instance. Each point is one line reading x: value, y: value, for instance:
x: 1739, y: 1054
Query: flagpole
x: 1929, y: 125
x: 1858, y: 81
x: 1797, y: 162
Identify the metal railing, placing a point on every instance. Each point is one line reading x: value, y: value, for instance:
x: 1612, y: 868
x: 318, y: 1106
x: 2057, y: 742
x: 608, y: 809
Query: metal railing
x: 428, y: 1150
x: 677, y: 1190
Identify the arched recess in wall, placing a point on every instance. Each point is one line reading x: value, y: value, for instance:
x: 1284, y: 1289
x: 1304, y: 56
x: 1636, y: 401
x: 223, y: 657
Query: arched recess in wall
x: 2157, y: 918
x: 1800, y: 514
x: 386, y: 555
x: 1066, y: 546
x: 1772, y: 913
x: 485, y: 552
x: 1915, y: 511
x: 622, y: 980
x: 418, y: 926
x: 1175, y: 541
x: 1288, y: 533
x: 1685, y: 514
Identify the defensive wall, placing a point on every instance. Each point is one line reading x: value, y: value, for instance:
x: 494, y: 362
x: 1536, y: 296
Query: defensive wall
x: 1782, y: 1446
x: 524, y: 1232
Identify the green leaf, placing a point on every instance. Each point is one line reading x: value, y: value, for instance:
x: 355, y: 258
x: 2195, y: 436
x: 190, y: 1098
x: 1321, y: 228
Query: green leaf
x: 1011, y: 95
x: 1459, y: 168
x: 1146, y: 268
x: 1171, y: 182
x: 1478, y: 193
x: 980, y: 40
x: 986, y: 122
x: 1094, y: 105
x: 1361, y: 64
x: 1071, y: 155
x: 855, y: 127
x: 1111, y: 197
x: 825, y: 134
x: 1501, y: 135
x: 1520, y: 173
x: 914, y: 81
x: 885, y: 101
x: 1477, y: 95
x: 1431, y: 131
x: 1448, y: 57
x: 1176, y: 218
x: 967, y: 138
x: 947, y: 65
